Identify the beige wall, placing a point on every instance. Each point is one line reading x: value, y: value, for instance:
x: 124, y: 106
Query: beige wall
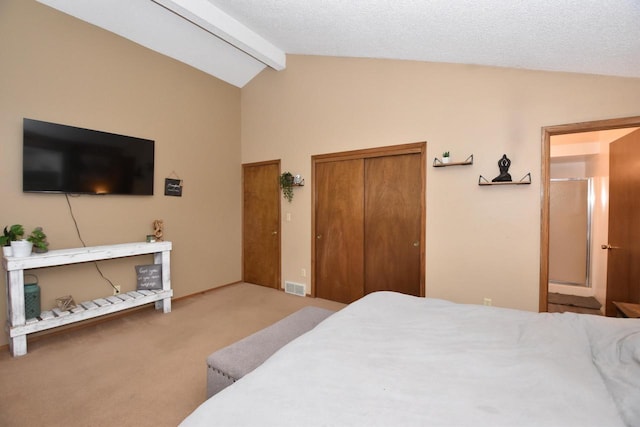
x: 481, y: 241
x: 56, y: 68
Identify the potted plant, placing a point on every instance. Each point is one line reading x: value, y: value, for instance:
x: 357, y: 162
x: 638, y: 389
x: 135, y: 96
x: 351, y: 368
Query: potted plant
x: 445, y: 157
x: 39, y: 240
x: 286, y: 183
x: 10, y: 234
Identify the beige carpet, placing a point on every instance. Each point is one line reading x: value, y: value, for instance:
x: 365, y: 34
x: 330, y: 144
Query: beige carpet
x: 142, y: 369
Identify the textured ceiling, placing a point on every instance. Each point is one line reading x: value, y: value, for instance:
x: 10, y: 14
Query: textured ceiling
x: 584, y: 36
x: 587, y: 36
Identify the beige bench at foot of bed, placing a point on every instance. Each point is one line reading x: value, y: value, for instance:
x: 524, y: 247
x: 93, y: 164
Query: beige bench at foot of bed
x: 229, y: 364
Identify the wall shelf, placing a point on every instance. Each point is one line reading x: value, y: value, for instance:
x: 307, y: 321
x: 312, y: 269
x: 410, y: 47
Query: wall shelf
x: 523, y: 181
x: 437, y: 163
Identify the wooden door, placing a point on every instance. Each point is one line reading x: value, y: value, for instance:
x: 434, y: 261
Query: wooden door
x: 623, y: 264
x: 339, y: 233
x: 393, y: 194
x: 261, y: 224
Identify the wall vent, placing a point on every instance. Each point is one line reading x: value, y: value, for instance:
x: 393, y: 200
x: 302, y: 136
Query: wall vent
x: 294, y: 288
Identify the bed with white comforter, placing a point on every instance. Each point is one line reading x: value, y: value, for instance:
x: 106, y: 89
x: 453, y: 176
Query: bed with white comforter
x: 395, y: 360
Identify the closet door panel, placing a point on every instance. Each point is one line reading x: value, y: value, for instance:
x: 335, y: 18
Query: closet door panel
x: 339, y: 216
x: 393, y: 212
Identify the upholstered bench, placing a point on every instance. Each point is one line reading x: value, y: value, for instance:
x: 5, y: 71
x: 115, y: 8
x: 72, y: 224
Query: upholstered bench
x: 229, y: 364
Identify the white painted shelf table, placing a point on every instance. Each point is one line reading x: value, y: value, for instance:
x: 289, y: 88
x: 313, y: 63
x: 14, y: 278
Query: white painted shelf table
x: 18, y: 327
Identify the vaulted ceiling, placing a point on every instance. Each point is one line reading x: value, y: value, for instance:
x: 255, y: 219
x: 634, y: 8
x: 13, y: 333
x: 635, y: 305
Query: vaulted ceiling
x: 234, y: 40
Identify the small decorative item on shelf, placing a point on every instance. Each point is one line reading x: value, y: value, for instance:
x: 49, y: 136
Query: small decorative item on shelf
x: 503, y: 165
x: 445, y: 157
x: 65, y: 303
x: 11, y: 234
x: 31, y: 296
x: 286, y: 184
x: 158, y: 229
x: 149, y: 276
x: 21, y: 248
x: 504, y: 177
x: 39, y: 240
x: 437, y: 163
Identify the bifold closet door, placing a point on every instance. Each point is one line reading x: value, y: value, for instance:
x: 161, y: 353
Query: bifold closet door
x: 392, y: 224
x: 339, y: 230
x: 368, y: 226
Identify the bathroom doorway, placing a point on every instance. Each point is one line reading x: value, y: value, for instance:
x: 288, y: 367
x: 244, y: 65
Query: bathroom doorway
x: 584, y: 146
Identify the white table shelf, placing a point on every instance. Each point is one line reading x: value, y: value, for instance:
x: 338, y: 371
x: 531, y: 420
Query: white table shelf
x: 18, y: 327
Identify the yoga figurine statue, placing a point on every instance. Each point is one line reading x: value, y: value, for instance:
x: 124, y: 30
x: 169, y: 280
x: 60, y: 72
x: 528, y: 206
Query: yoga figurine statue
x: 503, y: 164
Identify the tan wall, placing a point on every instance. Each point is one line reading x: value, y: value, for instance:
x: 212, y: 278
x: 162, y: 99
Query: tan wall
x: 59, y: 69
x: 481, y: 241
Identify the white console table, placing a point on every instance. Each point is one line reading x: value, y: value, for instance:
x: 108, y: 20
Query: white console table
x: 18, y: 327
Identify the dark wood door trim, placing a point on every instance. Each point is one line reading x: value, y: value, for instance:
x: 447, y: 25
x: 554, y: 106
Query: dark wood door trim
x: 393, y: 150
x: 547, y: 133
x: 411, y: 148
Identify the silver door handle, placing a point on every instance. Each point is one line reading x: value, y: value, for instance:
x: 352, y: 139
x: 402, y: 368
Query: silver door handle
x: 274, y: 232
x: 416, y: 243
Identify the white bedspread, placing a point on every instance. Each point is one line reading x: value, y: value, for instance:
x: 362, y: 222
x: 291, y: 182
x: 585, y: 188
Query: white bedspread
x: 394, y: 360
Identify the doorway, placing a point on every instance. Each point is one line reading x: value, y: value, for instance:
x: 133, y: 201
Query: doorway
x: 547, y: 134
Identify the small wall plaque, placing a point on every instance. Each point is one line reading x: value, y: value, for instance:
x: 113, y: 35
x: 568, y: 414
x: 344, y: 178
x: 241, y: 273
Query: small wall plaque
x: 149, y: 276
x: 173, y: 187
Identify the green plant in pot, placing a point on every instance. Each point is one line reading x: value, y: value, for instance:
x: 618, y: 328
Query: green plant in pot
x: 39, y: 240
x: 286, y: 183
x: 11, y: 234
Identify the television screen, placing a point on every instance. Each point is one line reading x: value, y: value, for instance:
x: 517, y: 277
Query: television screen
x: 65, y: 159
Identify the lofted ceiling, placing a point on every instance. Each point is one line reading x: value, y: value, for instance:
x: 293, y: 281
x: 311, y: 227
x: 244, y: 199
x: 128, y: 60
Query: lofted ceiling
x: 234, y: 40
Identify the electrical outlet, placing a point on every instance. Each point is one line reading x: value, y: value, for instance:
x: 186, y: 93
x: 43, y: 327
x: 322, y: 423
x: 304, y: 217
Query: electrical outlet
x: 487, y: 301
x: 303, y: 272
x: 116, y: 291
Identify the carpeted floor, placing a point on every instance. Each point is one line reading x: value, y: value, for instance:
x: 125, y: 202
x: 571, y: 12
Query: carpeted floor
x: 142, y: 369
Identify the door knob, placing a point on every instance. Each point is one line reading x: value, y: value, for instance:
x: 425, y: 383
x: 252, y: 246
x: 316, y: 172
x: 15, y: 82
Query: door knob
x: 274, y: 232
x: 319, y: 236
x: 609, y: 247
x: 416, y: 243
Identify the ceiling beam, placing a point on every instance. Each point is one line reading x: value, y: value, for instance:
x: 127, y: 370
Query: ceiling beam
x: 207, y: 16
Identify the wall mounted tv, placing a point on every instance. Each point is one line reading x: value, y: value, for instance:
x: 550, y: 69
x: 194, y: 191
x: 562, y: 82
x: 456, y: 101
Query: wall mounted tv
x: 65, y: 159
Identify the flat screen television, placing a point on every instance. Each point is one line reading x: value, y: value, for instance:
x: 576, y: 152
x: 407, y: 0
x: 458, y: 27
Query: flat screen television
x: 65, y: 159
